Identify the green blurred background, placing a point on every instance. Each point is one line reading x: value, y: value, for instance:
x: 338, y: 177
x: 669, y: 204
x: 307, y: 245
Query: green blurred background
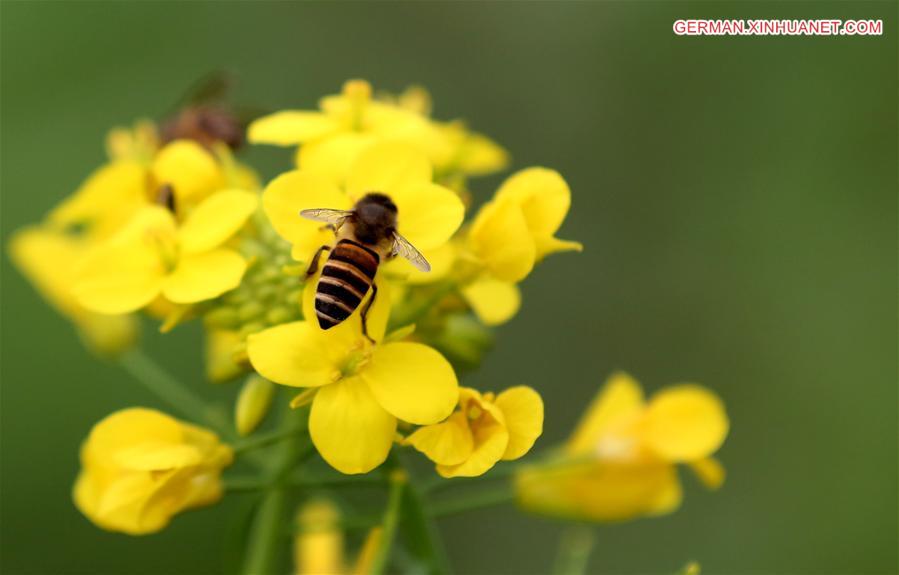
x: 736, y: 196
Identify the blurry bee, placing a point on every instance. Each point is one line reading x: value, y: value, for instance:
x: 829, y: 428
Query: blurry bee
x: 366, y: 235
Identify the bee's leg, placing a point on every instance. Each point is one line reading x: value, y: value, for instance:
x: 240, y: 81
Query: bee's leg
x: 364, y: 313
x: 313, y: 265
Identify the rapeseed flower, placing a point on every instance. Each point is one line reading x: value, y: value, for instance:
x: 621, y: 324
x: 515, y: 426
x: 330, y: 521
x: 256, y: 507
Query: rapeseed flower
x: 485, y: 429
x: 620, y: 462
x: 319, y: 547
x: 361, y: 388
x: 153, y: 256
x: 345, y: 125
x: 509, y: 236
x: 140, y: 467
x: 428, y: 214
x: 117, y: 190
x: 49, y: 259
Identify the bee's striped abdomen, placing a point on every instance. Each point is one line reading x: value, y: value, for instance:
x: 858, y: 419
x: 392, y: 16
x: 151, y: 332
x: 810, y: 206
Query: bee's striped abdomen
x: 346, y: 278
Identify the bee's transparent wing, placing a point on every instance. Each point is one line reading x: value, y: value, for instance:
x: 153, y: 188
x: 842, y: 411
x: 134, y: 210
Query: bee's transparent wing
x: 331, y: 217
x: 402, y: 247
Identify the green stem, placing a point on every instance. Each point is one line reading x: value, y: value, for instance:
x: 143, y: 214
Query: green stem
x: 266, y: 530
x: 234, y: 484
x: 421, y: 535
x: 263, y: 440
x: 265, y: 534
x: 398, y: 480
x: 473, y: 502
x: 170, y: 390
x: 575, y: 547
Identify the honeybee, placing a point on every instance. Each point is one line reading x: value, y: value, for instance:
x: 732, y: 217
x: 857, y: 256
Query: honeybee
x: 366, y: 235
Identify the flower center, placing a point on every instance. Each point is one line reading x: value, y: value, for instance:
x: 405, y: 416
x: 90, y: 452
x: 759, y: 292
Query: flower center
x: 616, y: 448
x: 166, y: 247
x: 354, y: 361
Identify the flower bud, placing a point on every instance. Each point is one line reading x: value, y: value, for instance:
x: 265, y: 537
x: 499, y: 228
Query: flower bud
x: 253, y: 403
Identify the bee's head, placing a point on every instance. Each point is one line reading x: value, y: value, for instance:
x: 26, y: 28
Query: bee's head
x: 374, y: 218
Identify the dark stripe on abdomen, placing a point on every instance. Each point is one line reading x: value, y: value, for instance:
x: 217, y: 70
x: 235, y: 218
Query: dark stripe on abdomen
x: 339, y: 292
x: 339, y: 272
x: 364, y: 259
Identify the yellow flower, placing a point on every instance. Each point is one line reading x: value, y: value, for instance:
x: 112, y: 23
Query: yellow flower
x: 49, y: 259
x: 509, y: 235
x: 345, y: 126
x: 620, y: 462
x: 152, y: 256
x: 113, y: 193
x: 457, y: 150
x: 517, y: 228
x: 361, y: 388
x: 137, y: 143
x: 428, y: 214
x: 319, y: 547
x: 484, y: 430
x: 140, y: 467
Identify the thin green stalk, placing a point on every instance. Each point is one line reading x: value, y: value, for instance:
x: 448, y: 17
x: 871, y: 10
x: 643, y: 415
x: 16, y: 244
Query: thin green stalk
x: 235, y: 484
x: 398, y: 481
x: 473, y: 502
x: 575, y: 547
x: 176, y: 394
x: 263, y: 440
x: 421, y: 534
x: 265, y: 534
x: 266, y: 531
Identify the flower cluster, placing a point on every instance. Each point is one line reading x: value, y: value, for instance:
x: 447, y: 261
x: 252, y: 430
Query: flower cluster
x: 368, y: 277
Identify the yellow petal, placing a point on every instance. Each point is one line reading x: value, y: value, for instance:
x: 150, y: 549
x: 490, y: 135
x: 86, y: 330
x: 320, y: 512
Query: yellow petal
x: 596, y: 491
x: 547, y: 246
x: 427, y: 214
x: 351, y: 431
x: 109, y: 190
x: 333, y: 156
x: 387, y: 167
x: 203, y: 276
x: 479, y: 155
x: 50, y: 259
x: 216, y: 219
x: 490, y: 441
x: 289, y: 128
x: 710, y: 471
x: 155, y: 455
x: 500, y: 238
x: 619, y: 398
x: 128, y: 427
x: 412, y: 381
x: 542, y: 194
x: 297, y: 354
x: 494, y: 302
x: 522, y: 409
x: 446, y: 443
x: 124, y: 275
x: 685, y: 422
x: 189, y: 169
x: 668, y: 498
x: 292, y: 192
